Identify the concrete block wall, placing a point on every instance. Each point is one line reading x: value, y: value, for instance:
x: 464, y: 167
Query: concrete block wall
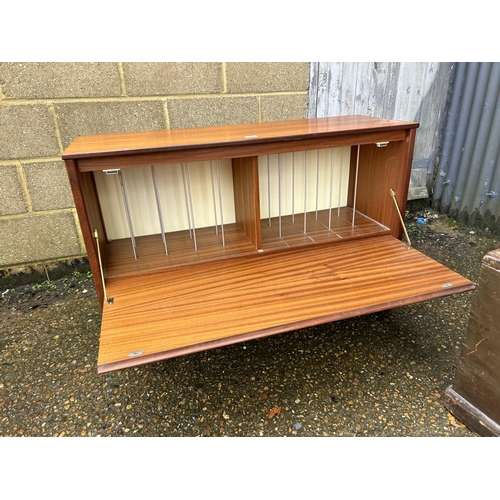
x: 44, y: 106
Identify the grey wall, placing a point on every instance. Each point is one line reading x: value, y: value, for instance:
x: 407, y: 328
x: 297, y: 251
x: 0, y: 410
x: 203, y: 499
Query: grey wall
x: 467, y: 181
x: 416, y: 91
x: 44, y: 106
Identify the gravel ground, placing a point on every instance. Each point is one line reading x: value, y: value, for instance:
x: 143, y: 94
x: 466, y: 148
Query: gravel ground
x: 383, y: 374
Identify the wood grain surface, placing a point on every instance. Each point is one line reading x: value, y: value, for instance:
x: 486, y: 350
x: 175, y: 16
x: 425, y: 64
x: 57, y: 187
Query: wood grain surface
x: 188, y: 309
x: 188, y: 139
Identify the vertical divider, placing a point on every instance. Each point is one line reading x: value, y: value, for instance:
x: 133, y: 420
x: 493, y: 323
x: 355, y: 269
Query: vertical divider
x: 158, y: 206
x: 279, y: 195
x: 186, y: 199
x: 317, y: 182
x: 127, y: 213
x: 268, y: 190
x: 332, y: 169
x: 293, y: 187
x: 213, y: 195
x: 340, y: 180
x: 305, y: 192
x: 355, y: 187
x: 246, y: 197
x: 220, y: 204
x: 188, y: 183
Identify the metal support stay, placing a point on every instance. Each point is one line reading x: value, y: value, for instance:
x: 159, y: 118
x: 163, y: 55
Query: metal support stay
x: 220, y: 204
x: 393, y: 194
x: 127, y: 213
x: 158, y: 206
x: 106, y: 298
x: 355, y: 188
x: 189, y: 202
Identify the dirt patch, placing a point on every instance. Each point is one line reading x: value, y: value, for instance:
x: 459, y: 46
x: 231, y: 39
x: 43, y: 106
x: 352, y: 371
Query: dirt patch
x: 381, y: 374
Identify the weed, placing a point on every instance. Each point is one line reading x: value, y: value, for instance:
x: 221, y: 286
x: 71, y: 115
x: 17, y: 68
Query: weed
x: 49, y: 285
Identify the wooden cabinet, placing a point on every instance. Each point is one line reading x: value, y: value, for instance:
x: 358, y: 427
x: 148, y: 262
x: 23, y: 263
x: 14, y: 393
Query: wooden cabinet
x: 199, y: 238
x: 474, y: 396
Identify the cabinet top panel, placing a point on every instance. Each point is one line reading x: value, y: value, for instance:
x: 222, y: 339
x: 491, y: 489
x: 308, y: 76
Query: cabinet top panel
x: 192, y: 138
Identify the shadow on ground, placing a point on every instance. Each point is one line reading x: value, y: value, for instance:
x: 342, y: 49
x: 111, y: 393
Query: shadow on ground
x: 383, y: 374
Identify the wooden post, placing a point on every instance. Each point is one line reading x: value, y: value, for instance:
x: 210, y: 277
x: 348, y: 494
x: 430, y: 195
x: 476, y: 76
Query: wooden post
x: 474, y: 396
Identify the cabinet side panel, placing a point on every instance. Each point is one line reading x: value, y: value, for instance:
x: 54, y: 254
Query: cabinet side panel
x: 477, y: 378
x: 89, y: 216
x: 246, y: 197
x: 380, y: 170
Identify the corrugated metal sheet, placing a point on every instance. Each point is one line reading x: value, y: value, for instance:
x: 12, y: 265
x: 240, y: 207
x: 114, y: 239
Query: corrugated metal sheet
x: 467, y: 184
x: 416, y: 91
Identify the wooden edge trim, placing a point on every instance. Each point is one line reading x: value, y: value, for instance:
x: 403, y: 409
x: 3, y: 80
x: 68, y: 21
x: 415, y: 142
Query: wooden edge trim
x: 160, y: 356
x: 468, y: 414
x: 85, y: 225
x: 161, y: 156
x: 235, y: 135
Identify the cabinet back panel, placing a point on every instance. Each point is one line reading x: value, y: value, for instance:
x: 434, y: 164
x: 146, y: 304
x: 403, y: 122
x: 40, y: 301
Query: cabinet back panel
x: 298, y: 182
x: 141, y: 198
x: 317, y: 190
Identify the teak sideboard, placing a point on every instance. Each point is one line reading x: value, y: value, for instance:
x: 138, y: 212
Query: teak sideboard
x: 199, y: 238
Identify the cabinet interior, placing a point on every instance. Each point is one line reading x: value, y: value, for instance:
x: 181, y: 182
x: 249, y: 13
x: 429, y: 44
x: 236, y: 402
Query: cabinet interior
x: 173, y: 214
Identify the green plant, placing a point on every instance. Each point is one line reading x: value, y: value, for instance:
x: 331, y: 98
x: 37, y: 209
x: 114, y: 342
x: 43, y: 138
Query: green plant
x: 47, y: 284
